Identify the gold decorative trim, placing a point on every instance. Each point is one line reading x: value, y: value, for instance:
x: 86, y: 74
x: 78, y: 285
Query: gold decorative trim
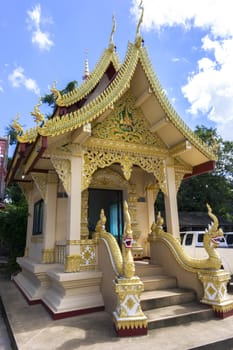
x: 170, y: 112
x: 223, y: 308
x: 72, y: 263
x: 73, y: 242
x: 48, y: 256
x: 109, y: 56
x: 41, y: 181
x: 127, y: 123
x: 96, y: 107
x: 63, y: 168
x: 101, y: 159
x: 130, y: 324
x: 37, y: 239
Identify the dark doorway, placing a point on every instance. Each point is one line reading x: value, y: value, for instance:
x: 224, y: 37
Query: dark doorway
x: 111, y: 202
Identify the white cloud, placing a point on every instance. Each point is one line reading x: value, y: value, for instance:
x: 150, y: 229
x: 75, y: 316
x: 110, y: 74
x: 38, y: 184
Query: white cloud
x: 209, y: 90
x: 1, y: 89
x: 39, y: 37
x: 18, y: 79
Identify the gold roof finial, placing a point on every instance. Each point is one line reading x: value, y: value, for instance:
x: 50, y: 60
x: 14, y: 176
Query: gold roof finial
x: 38, y: 116
x: 16, y: 126
x: 57, y: 94
x: 138, y: 40
x: 86, y: 69
x: 111, y: 42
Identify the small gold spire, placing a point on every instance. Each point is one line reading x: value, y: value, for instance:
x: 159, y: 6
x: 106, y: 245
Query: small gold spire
x: 138, y: 40
x: 38, y: 116
x: 57, y: 94
x: 111, y: 42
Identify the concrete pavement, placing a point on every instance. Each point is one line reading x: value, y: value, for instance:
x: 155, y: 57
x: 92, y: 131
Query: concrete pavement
x: 33, y: 329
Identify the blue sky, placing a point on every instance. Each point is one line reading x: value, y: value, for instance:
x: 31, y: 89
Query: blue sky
x: 190, y: 44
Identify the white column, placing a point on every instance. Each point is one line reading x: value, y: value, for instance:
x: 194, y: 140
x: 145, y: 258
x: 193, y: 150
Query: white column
x: 171, y: 209
x: 151, y: 194
x: 74, y: 206
x: 50, y: 212
x: 30, y: 220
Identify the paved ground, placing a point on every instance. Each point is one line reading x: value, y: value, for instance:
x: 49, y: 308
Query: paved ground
x: 33, y: 329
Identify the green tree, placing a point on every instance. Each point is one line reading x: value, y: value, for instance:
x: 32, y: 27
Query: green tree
x: 216, y: 187
x: 13, y: 221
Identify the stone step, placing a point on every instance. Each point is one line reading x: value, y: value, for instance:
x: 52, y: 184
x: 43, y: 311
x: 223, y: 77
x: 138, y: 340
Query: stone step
x: 178, y: 314
x: 166, y: 297
x: 158, y: 282
x: 145, y: 269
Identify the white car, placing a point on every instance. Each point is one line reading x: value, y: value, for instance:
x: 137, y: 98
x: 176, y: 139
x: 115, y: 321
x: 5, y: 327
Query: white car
x: 192, y: 242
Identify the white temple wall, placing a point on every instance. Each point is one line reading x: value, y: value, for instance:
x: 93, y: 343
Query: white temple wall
x: 61, y: 222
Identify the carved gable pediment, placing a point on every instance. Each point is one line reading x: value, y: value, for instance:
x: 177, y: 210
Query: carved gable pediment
x: 126, y: 123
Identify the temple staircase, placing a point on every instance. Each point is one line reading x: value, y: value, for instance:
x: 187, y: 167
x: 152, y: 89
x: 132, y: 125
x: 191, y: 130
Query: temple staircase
x: 164, y: 303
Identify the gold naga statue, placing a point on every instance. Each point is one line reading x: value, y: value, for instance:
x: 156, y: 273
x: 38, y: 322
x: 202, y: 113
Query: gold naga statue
x: 212, y: 238
x: 124, y: 261
x: 16, y: 126
x: 38, y: 116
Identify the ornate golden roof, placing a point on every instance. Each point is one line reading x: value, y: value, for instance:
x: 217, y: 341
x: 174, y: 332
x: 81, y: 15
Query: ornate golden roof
x: 136, y: 54
x: 109, y: 56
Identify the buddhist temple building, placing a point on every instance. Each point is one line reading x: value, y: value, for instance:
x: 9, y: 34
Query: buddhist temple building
x: 91, y: 174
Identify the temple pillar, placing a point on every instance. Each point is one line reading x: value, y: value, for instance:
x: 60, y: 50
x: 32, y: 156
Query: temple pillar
x: 170, y: 199
x: 151, y: 194
x: 29, y: 197
x: 74, y: 216
x: 50, y: 211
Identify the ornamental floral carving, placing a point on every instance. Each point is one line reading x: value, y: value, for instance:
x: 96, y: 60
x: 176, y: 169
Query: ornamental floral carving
x: 126, y: 123
x: 63, y: 168
x: 94, y: 159
x: 41, y: 183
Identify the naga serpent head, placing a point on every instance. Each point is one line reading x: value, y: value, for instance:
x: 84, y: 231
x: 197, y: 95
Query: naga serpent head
x: 213, y: 235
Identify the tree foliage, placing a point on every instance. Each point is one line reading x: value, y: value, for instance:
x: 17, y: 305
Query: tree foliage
x: 13, y: 221
x: 215, y: 188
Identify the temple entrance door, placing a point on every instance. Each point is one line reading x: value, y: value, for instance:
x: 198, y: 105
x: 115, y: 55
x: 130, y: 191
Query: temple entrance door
x: 111, y: 202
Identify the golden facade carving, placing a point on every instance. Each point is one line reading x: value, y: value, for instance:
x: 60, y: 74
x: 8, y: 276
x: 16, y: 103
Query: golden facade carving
x: 72, y: 263
x: 48, y: 256
x: 101, y: 159
x: 88, y: 254
x: 154, y: 188
x: 127, y: 123
x: 137, y: 250
x: 84, y: 215
x: 63, y: 168
x: 87, y: 260
x: 41, y: 181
